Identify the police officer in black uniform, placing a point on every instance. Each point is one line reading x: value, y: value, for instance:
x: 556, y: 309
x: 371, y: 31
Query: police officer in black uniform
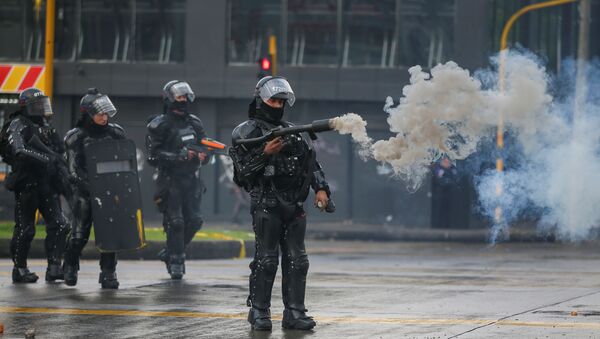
x: 92, y: 126
x: 33, y: 149
x: 278, y: 176
x: 179, y: 186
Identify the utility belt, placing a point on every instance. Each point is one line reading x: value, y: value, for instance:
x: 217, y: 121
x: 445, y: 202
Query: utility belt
x: 19, y: 179
x: 168, y: 179
x: 273, y: 201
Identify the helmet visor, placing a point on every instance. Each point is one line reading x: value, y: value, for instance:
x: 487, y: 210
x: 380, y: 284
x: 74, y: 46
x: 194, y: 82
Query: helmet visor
x: 279, y: 89
x: 182, y: 89
x: 104, y: 105
x: 40, y: 107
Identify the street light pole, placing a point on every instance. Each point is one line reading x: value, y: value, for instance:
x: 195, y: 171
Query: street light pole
x: 582, y: 58
x: 273, y: 52
x: 49, y: 49
x: 498, y: 217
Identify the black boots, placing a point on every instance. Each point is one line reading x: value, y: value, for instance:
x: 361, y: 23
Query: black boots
x: 163, y: 256
x: 260, y: 319
x: 297, y: 320
x: 70, y: 273
x: 108, y: 279
x: 23, y: 275
x: 176, y: 266
x: 54, y: 272
x: 292, y: 320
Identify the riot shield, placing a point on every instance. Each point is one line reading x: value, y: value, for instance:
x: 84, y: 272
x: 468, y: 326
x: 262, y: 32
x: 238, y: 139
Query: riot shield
x: 115, y: 195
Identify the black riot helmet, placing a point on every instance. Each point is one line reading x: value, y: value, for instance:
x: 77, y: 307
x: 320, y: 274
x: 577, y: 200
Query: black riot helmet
x: 274, y: 87
x: 35, y: 103
x: 267, y: 88
x: 174, y: 89
x: 94, y: 102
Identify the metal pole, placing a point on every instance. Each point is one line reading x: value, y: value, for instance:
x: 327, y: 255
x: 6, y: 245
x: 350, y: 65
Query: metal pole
x: 49, y: 52
x: 273, y: 52
x: 501, y: 70
x: 582, y: 57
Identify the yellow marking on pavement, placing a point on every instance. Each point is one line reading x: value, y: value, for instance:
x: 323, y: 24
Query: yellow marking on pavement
x: 134, y: 313
x: 324, y: 319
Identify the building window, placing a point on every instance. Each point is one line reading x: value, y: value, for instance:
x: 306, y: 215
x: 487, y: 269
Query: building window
x: 251, y: 22
x: 368, y: 37
x: 347, y: 33
x: 550, y: 32
x: 11, y: 24
x: 424, y: 33
x: 312, y: 32
x: 22, y: 24
x: 161, y: 30
x: 109, y: 30
x: 66, y: 30
x: 104, y: 30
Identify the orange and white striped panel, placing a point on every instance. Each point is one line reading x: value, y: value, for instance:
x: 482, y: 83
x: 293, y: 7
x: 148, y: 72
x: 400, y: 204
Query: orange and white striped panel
x: 16, y: 77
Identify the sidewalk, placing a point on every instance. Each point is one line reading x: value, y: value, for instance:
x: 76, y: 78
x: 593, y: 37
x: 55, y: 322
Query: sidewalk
x: 348, y: 231
x: 202, y: 249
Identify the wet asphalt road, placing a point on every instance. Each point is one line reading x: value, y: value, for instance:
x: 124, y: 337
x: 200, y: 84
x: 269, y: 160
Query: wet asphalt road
x: 355, y: 290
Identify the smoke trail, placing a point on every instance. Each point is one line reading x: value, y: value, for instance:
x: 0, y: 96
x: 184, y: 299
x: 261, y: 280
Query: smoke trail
x: 447, y: 111
x: 356, y: 126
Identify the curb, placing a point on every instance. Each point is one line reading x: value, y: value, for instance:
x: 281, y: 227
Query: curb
x: 204, y: 249
x: 426, y: 235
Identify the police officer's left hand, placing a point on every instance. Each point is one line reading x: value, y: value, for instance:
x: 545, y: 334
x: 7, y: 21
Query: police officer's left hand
x: 321, y: 200
x: 202, y: 156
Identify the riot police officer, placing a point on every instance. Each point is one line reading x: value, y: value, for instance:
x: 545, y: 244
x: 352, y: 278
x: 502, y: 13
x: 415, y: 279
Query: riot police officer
x: 278, y: 175
x: 35, y: 152
x: 92, y: 126
x: 179, y: 186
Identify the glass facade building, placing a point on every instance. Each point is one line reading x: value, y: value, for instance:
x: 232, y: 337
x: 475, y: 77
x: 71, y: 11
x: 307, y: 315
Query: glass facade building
x: 339, y: 56
x: 346, y: 33
x: 99, y: 30
x: 389, y: 33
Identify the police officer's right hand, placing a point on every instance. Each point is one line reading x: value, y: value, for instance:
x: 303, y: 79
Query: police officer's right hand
x: 274, y: 146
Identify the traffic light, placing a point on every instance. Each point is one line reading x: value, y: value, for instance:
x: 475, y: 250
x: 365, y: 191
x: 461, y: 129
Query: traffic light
x: 265, y: 66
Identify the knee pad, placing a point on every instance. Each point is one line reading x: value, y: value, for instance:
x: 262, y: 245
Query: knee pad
x: 176, y: 225
x: 269, y: 264
x: 300, y: 264
x: 63, y: 224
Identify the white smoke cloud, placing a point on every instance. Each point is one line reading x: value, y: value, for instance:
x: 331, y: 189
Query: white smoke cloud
x: 556, y: 170
x: 356, y: 126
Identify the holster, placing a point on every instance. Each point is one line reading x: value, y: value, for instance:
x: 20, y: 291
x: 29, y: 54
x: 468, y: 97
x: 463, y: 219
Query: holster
x: 13, y: 181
